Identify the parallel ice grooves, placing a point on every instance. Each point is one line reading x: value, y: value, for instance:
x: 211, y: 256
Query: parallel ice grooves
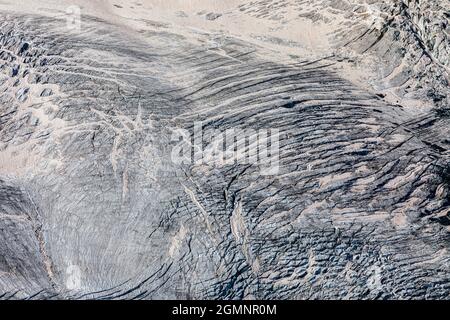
x: 359, y: 208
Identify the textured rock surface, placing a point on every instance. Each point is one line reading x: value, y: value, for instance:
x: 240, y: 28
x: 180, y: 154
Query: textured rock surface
x: 91, y: 205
